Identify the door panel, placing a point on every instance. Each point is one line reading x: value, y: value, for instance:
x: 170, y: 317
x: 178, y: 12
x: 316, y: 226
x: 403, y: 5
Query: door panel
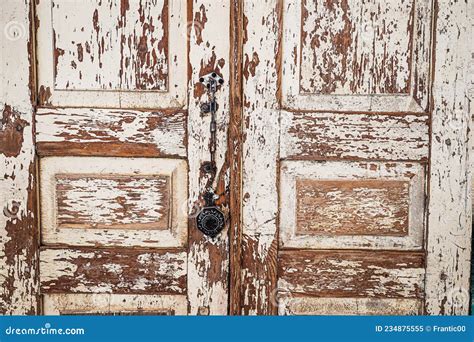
x: 111, y: 132
x: 92, y: 270
x: 118, y: 82
x: 351, y: 205
x: 96, y: 201
x: 114, y: 304
x: 335, y: 158
x: 128, y: 54
x: 356, y: 56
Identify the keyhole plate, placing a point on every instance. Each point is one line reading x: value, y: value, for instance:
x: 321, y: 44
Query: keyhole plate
x: 210, y: 221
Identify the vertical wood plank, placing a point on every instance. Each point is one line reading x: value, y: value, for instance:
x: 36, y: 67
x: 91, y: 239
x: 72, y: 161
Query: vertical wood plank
x: 449, y: 217
x: 260, y: 153
x: 18, y: 230
x: 235, y: 154
x: 208, y: 259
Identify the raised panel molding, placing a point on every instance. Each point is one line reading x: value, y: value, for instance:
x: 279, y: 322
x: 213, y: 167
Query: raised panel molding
x: 90, y: 201
x: 356, y: 56
x: 111, y: 132
x: 344, y: 205
x: 113, y: 304
x: 129, y: 54
x: 117, y: 201
x: 352, y: 274
x: 352, y: 207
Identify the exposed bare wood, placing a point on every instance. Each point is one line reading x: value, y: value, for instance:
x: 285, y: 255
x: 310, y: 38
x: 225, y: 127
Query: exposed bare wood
x: 95, y: 201
x: 125, y: 54
x: 449, y: 218
x: 324, y: 273
x: 234, y: 156
x: 19, y: 284
x: 113, y: 304
x: 352, y: 36
x: 122, y: 201
x: 260, y: 155
x: 208, y: 260
x: 91, y: 131
x: 304, y: 305
x: 353, y: 136
x: 366, y: 56
x: 352, y: 205
x: 91, y: 270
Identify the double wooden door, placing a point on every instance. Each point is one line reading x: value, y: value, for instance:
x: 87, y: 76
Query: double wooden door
x: 322, y: 154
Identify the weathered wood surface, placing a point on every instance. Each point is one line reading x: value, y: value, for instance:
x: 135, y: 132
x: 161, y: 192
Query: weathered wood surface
x: 307, y: 135
x: 97, y: 201
x: 208, y: 260
x: 341, y: 40
x: 137, y: 45
x: 304, y: 305
x: 234, y: 150
x: 91, y: 270
x: 19, y: 287
x: 346, y: 204
x: 92, y: 131
x: 449, y: 211
x: 354, y: 273
x: 352, y: 207
x: 260, y: 155
x: 113, y: 201
x: 127, y: 54
x: 356, y: 56
x: 113, y: 304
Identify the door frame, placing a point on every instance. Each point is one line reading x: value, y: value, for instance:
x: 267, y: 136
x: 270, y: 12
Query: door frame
x: 253, y: 272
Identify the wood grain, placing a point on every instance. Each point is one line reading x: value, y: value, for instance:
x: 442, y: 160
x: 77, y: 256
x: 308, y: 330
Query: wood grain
x: 304, y: 305
x: 260, y: 155
x: 92, y: 131
x: 346, y: 207
x: 351, y: 56
x: 113, y: 202
x: 449, y: 211
x: 127, y: 54
x: 82, y: 43
x: 91, y: 270
x: 19, y: 286
x: 340, y: 40
x: 97, y: 201
x: 234, y: 150
x: 208, y: 260
x: 348, y: 204
x: 113, y: 304
x: 380, y: 274
x: 309, y: 135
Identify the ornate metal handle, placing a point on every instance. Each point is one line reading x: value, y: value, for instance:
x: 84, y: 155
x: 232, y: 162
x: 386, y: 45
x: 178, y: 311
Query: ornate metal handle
x: 211, y: 220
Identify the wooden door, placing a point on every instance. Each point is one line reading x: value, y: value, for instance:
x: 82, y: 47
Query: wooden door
x: 121, y: 140
x: 342, y: 156
x: 339, y: 100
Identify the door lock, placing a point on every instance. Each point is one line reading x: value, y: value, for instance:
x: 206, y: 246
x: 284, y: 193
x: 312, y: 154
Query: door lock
x: 211, y: 220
